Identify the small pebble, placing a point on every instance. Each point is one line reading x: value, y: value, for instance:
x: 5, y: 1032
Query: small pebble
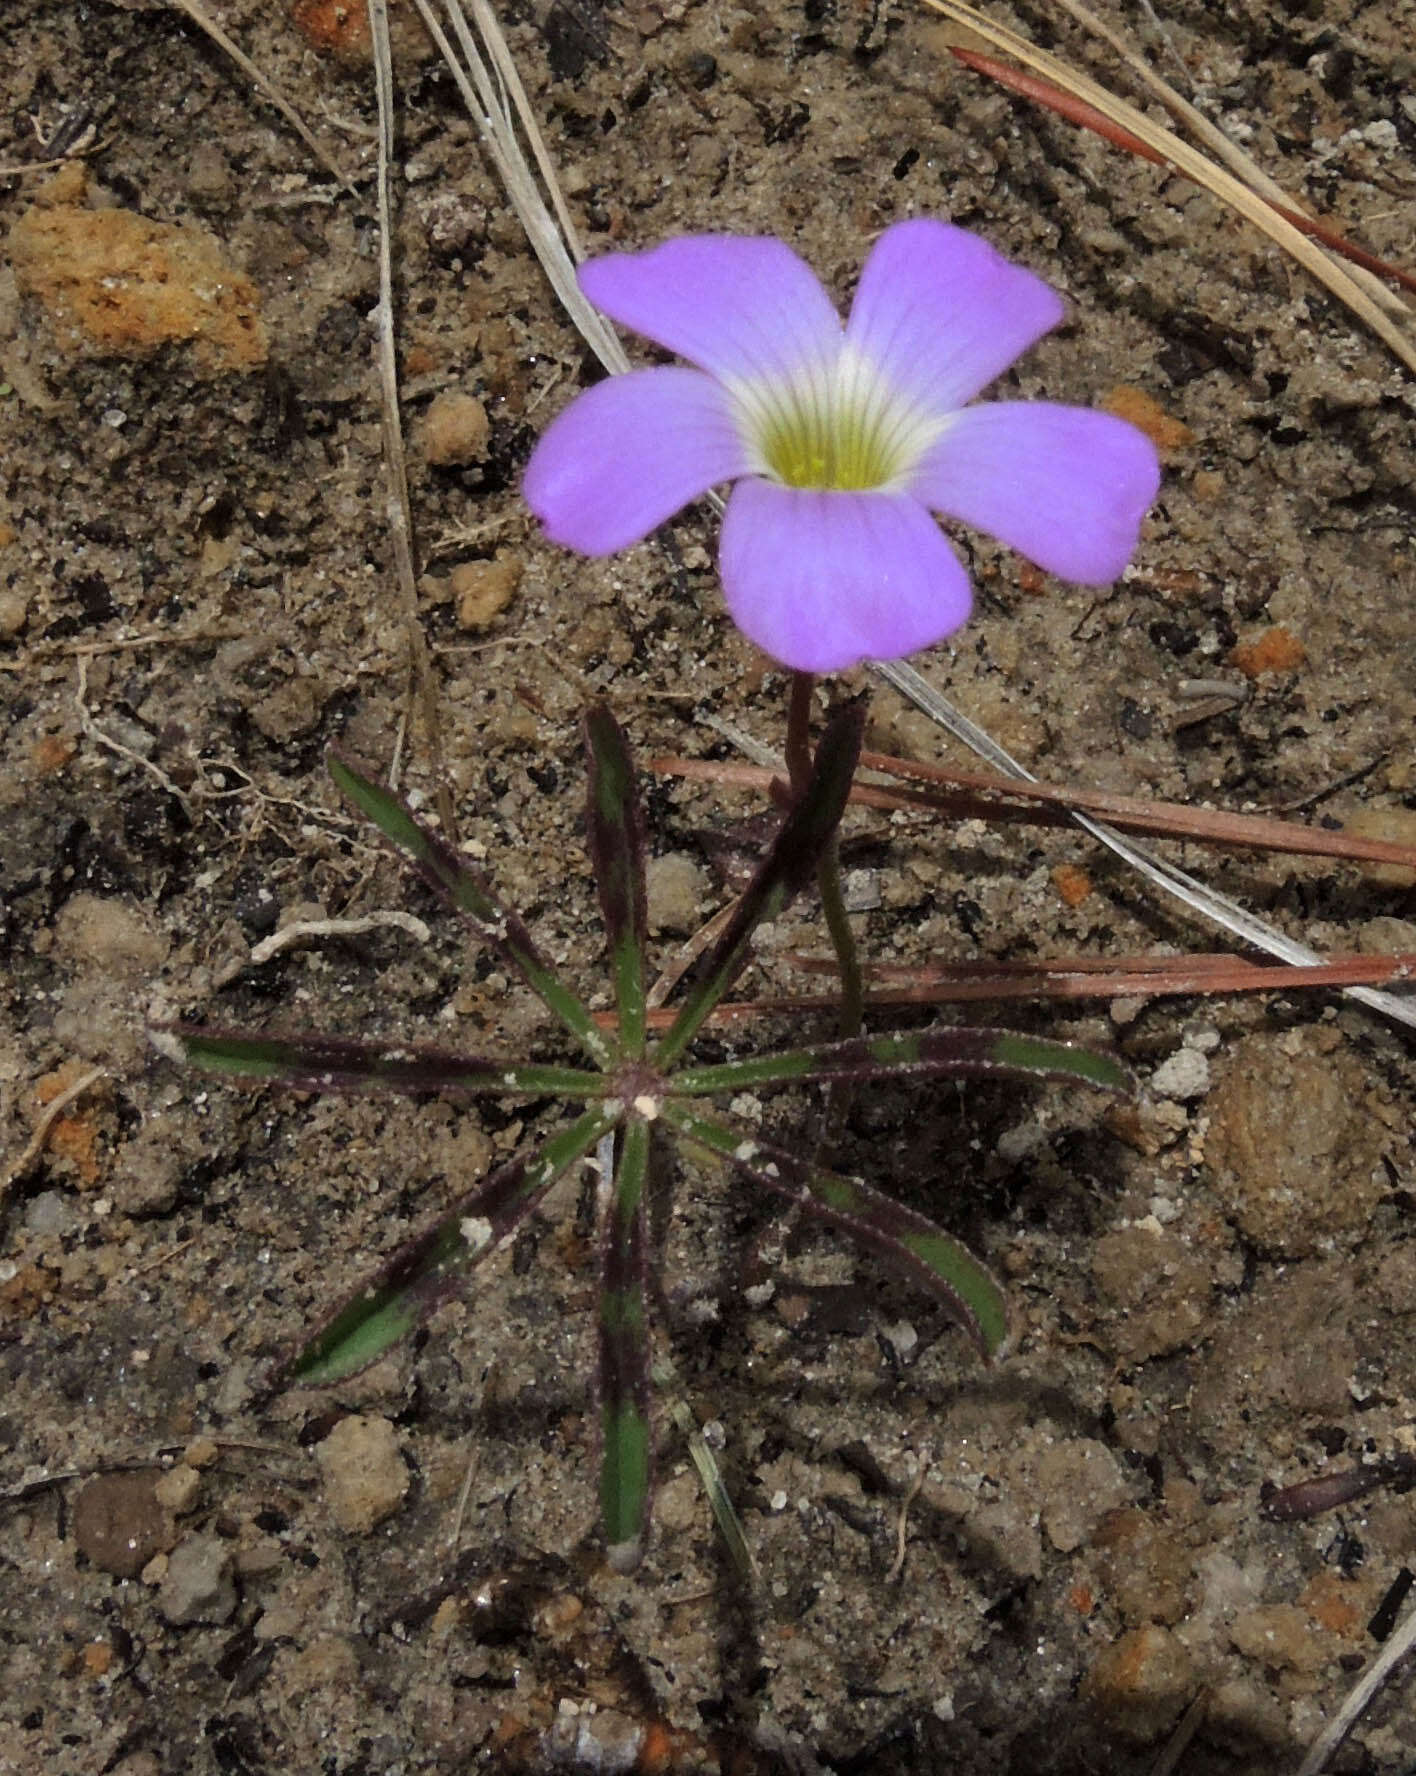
x: 141, y: 1763
x: 201, y: 1452
x: 198, y: 1586
x: 1185, y: 1076
x: 1079, y: 1482
x: 1281, y: 1635
x: 1144, y: 1566
x: 178, y: 1488
x: 1393, y: 826
x: 483, y: 589
x: 456, y: 430
x: 329, y: 1663
x: 293, y: 709
x: 1386, y: 936
x: 677, y: 891
x: 209, y: 176
x: 14, y: 614
x: 109, y: 934
x: 1158, y: 1289
x: 1275, y: 650
x: 115, y: 284
x: 119, y: 1524
x: 1141, y: 1683
x: 148, y: 1176
x: 365, y: 1477
x: 51, y: 1214
x: 861, y: 890
x: 1293, y: 1148
x: 679, y: 1505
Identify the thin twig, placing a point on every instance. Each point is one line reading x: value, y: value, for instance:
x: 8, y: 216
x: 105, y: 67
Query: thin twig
x: 688, y: 953
x: 300, y: 929
x: 897, y: 1565
x: 464, y: 1492
x: 1119, y: 977
x: 95, y: 733
x: 22, y: 169
x: 1137, y: 977
x: 1185, y: 1729
x: 121, y: 1464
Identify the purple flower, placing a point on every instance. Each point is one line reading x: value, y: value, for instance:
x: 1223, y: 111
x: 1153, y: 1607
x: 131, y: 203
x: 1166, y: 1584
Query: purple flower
x: 843, y: 441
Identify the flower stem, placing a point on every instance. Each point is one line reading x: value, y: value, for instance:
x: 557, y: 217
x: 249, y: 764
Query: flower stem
x: 799, y: 729
x: 833, y: 905
x: 828, y: 875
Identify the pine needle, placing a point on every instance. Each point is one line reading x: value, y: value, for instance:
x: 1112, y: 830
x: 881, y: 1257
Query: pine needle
x: 1194, y: 895
x: 1197, y: 166
x: 265, y: 86
x: 495, y: 109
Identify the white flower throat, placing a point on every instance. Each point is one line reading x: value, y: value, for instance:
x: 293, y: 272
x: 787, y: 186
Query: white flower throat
x: 835, y: 424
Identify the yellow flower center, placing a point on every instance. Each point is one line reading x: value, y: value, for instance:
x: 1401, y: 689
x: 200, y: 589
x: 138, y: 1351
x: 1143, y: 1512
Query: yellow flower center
x: 835, y: 426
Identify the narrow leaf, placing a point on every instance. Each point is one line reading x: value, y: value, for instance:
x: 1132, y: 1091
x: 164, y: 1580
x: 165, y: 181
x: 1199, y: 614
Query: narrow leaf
x: 945, y: 1051
x: 719, y: 1500
x: 624, y: 1358
x: 468, y: 892
x: 315, y: 1063
x: 615, y: 823
x: 433, y: 1265
x: 788, y: 867
x: 922, y: 1252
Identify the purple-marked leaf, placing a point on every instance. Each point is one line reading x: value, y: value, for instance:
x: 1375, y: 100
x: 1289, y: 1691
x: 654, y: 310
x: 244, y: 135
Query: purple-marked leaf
x: 626, y: 1449
x: 943, y: 1052
x: 434, y: 1264
x: 615, y: 833
x: 788, y: 867
x: 919, y: 1250
x: 316, y: 1063
x: 468, y: 892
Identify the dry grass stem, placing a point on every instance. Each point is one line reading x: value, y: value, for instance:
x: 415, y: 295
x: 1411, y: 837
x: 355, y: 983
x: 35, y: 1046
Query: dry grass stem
x: 1206, y: 131
x: 1401, y: 340
x: 550, y: 237
x: 422, y: 685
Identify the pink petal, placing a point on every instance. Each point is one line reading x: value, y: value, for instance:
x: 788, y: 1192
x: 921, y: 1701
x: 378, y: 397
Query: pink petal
x: 1062, y: 485
x: 943, y: 314
x: 735, y: 305
x: 627, y: 453
x: 820, y: 580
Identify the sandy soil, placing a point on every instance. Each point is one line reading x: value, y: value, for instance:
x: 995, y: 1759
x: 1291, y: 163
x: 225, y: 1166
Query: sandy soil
x: 1040, y: 1567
